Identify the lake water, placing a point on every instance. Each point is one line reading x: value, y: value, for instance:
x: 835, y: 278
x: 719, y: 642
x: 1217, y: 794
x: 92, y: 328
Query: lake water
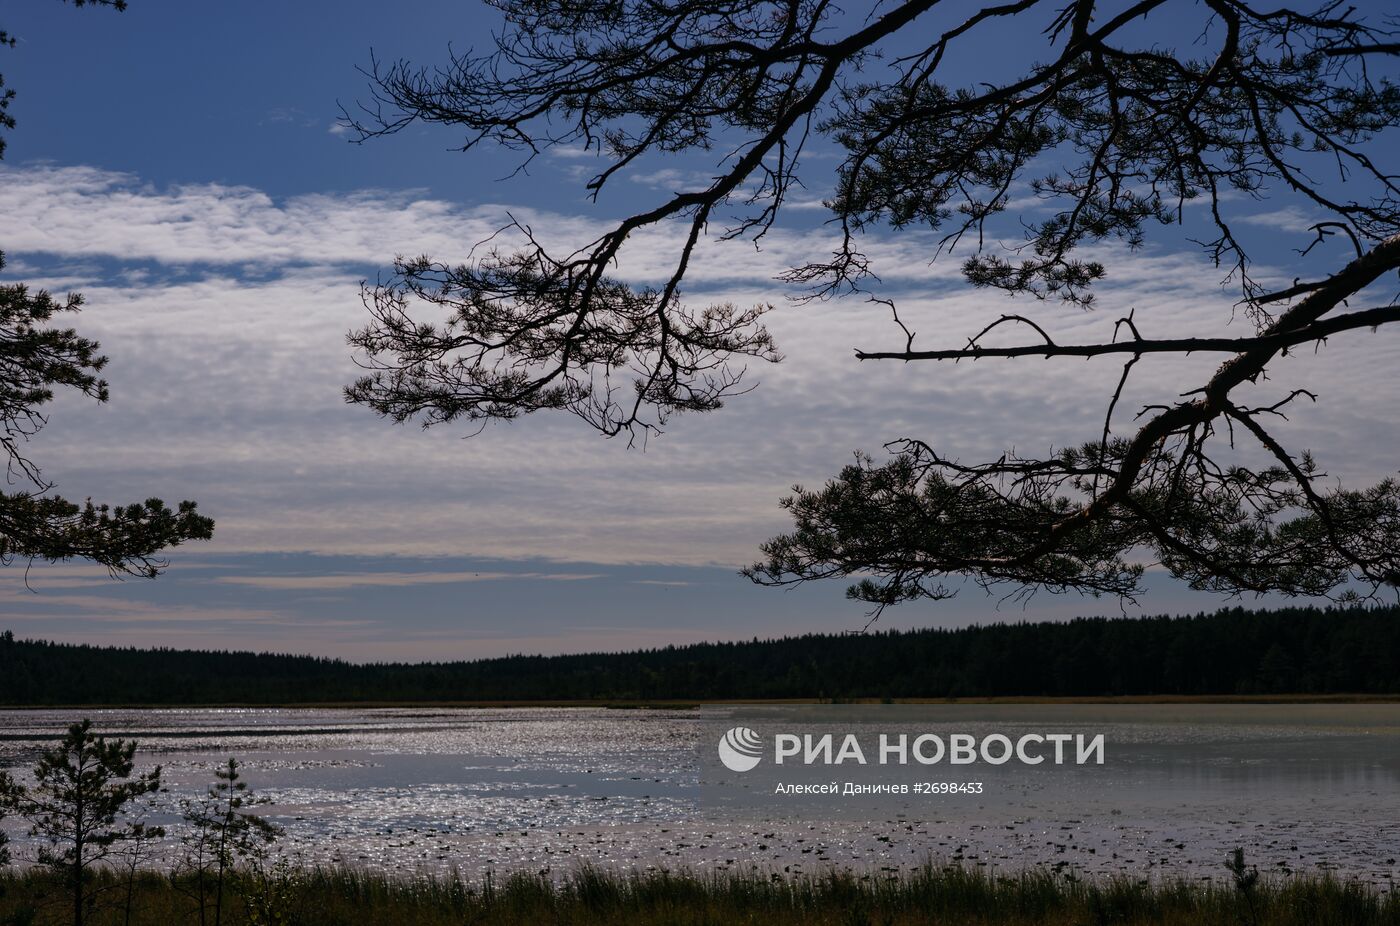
x: 1299, y: 787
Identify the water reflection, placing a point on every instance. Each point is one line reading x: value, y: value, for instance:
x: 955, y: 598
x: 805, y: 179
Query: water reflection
x: 1301, y: 788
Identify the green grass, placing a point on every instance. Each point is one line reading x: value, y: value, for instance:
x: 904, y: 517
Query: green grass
x: 932, y: 895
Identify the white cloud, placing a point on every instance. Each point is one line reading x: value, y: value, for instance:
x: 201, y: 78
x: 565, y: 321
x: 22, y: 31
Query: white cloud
x: 671, y: 179
x: 1290, y: 219
x: 102, y: 609
x: 394, y: 579
x: 82, y: 212
x: 226, y: 383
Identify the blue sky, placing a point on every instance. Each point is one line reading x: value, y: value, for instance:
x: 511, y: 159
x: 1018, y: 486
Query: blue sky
x: 180, y: 164
x: 241, y: 94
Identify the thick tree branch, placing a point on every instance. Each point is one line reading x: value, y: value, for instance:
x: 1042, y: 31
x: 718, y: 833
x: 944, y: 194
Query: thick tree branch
x: 1368, y: 318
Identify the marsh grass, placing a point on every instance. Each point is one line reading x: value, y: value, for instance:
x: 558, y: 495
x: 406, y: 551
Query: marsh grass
x: 931, y: 895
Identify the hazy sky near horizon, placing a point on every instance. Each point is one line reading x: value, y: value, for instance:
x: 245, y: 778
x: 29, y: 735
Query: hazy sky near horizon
x: 181, y: 165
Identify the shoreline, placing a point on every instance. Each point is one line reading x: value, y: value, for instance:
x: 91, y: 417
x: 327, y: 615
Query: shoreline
x: 692, y: 704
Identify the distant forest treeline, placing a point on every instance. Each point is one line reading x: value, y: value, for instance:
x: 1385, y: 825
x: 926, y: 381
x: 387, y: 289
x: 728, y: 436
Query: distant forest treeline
x: 1234, y: 651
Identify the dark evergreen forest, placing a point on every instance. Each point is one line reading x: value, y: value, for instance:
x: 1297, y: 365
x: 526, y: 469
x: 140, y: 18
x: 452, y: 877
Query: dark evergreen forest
x: 1233, y: 651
